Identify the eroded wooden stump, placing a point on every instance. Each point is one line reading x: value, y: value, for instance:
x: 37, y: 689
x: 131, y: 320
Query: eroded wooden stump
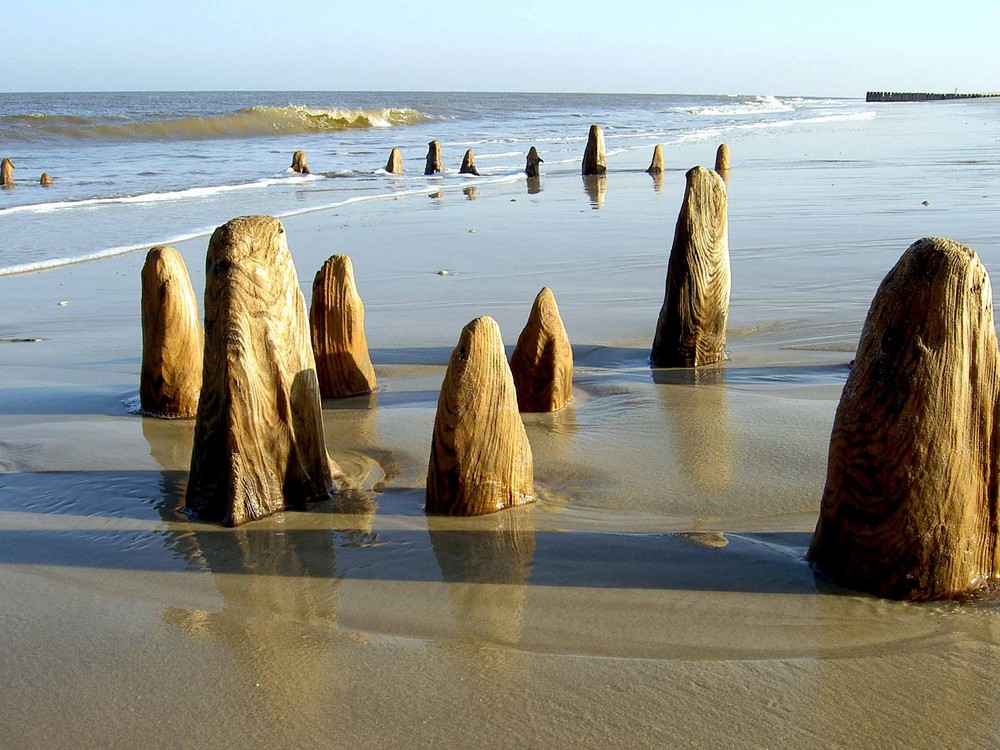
x: 7, y: 173
x: 909, y: 509
x: 722, y: 162
x: 434, y: 163
x: 299, y: 163
x: 45, y: 180
x: 172, y: 338
x: 480, y: 457
x: 691, y: 330
x: 594, y: 159
x: 469, y: 164
x: 532, y: 162
x: 259, y: 446
x: 542, y: 362
x: 395, y: 163
x: 656, y: 165
x: 337, y: 322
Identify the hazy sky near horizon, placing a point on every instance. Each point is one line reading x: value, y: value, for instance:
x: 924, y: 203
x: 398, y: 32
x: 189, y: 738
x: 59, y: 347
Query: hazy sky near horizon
x: 713, y: 46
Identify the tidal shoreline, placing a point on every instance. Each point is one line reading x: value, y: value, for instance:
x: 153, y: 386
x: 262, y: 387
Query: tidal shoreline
x: 656, y: 593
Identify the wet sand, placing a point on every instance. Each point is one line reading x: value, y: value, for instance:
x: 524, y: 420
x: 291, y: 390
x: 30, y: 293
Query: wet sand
x: 655, y: 595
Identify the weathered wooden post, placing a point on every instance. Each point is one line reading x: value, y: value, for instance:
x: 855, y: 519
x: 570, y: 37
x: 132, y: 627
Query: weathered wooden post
x: 259, y: 446
x: 337, y: 323
x: 172, y: 340
x: 594, y: 159
x: 395, y: 163
x: 469, y: 164
x: 299, y: 163
x: 542, y: 361
x: 532, y: 162
x: 656, y: 165
x: 480, y: 457
x: 691, y: 330
x: 722, y: 162
x: 910, y: 506
x: 434, y: 163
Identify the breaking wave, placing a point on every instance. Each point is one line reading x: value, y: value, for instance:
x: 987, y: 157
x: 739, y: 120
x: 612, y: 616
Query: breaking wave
x: 251, y: 122
x: 758, y: 105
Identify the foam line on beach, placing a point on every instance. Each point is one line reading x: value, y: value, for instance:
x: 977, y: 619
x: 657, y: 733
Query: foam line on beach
x: 761, y: 105
x: 51, y: 263
x: 170, y: 195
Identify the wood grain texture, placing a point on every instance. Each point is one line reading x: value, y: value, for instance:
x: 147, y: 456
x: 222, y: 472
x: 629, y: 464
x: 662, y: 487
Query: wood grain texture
x: 542, y: 361
x: 395, y: 163
x: 7, y: 173
x: 337, y: 323
x: 468, y: 164
x: 594, y: 158
x: 909, y: 509
x: 172, y: 340
x: 259, y: 446
x: 722, y: 162
x: 434, y: 163
x: 480, y: 457
x: 532, y: 161
x: 656, y: 165
x: 299, y: 163
x: 691, y: 330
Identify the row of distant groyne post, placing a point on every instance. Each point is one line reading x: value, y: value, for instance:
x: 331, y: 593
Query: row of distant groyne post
x: 594, y: 159
x: 911, y: 496
x: 897, y: 96
x: 7, y: 175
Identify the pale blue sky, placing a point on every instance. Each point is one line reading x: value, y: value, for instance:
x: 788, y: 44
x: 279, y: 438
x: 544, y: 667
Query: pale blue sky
x: 831, y: 48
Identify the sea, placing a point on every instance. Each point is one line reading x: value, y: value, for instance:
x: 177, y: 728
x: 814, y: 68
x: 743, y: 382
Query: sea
x: 135, y: 169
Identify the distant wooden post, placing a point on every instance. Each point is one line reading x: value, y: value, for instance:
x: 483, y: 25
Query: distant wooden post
x: 259, y: 445
x: 434, y: 162
x: 45, y: 180
x: 395, y: 163
x: 691, y: 330
x: 532, y: 162
x: 722, y: 162
x: 594, y: 159
x: 299, y: 163
x: 480, y: 457
x: 910, y: 505
x: 7, y: 173
x: 656, y: 165
x: 469, y: 164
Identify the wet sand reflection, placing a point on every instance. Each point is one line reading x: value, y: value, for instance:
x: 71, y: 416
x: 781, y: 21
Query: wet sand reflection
x: 595, y: 186
x: 696, y: 409
x: 486, y: 564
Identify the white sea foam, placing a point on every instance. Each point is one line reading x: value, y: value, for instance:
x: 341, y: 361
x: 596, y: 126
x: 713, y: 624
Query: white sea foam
x: 761, y: 105
x: 49, y: 263
x: 172, y: 195
x: 451, y: 179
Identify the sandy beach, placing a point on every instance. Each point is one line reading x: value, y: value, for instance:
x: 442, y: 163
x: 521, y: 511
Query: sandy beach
x: 656, y: 595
